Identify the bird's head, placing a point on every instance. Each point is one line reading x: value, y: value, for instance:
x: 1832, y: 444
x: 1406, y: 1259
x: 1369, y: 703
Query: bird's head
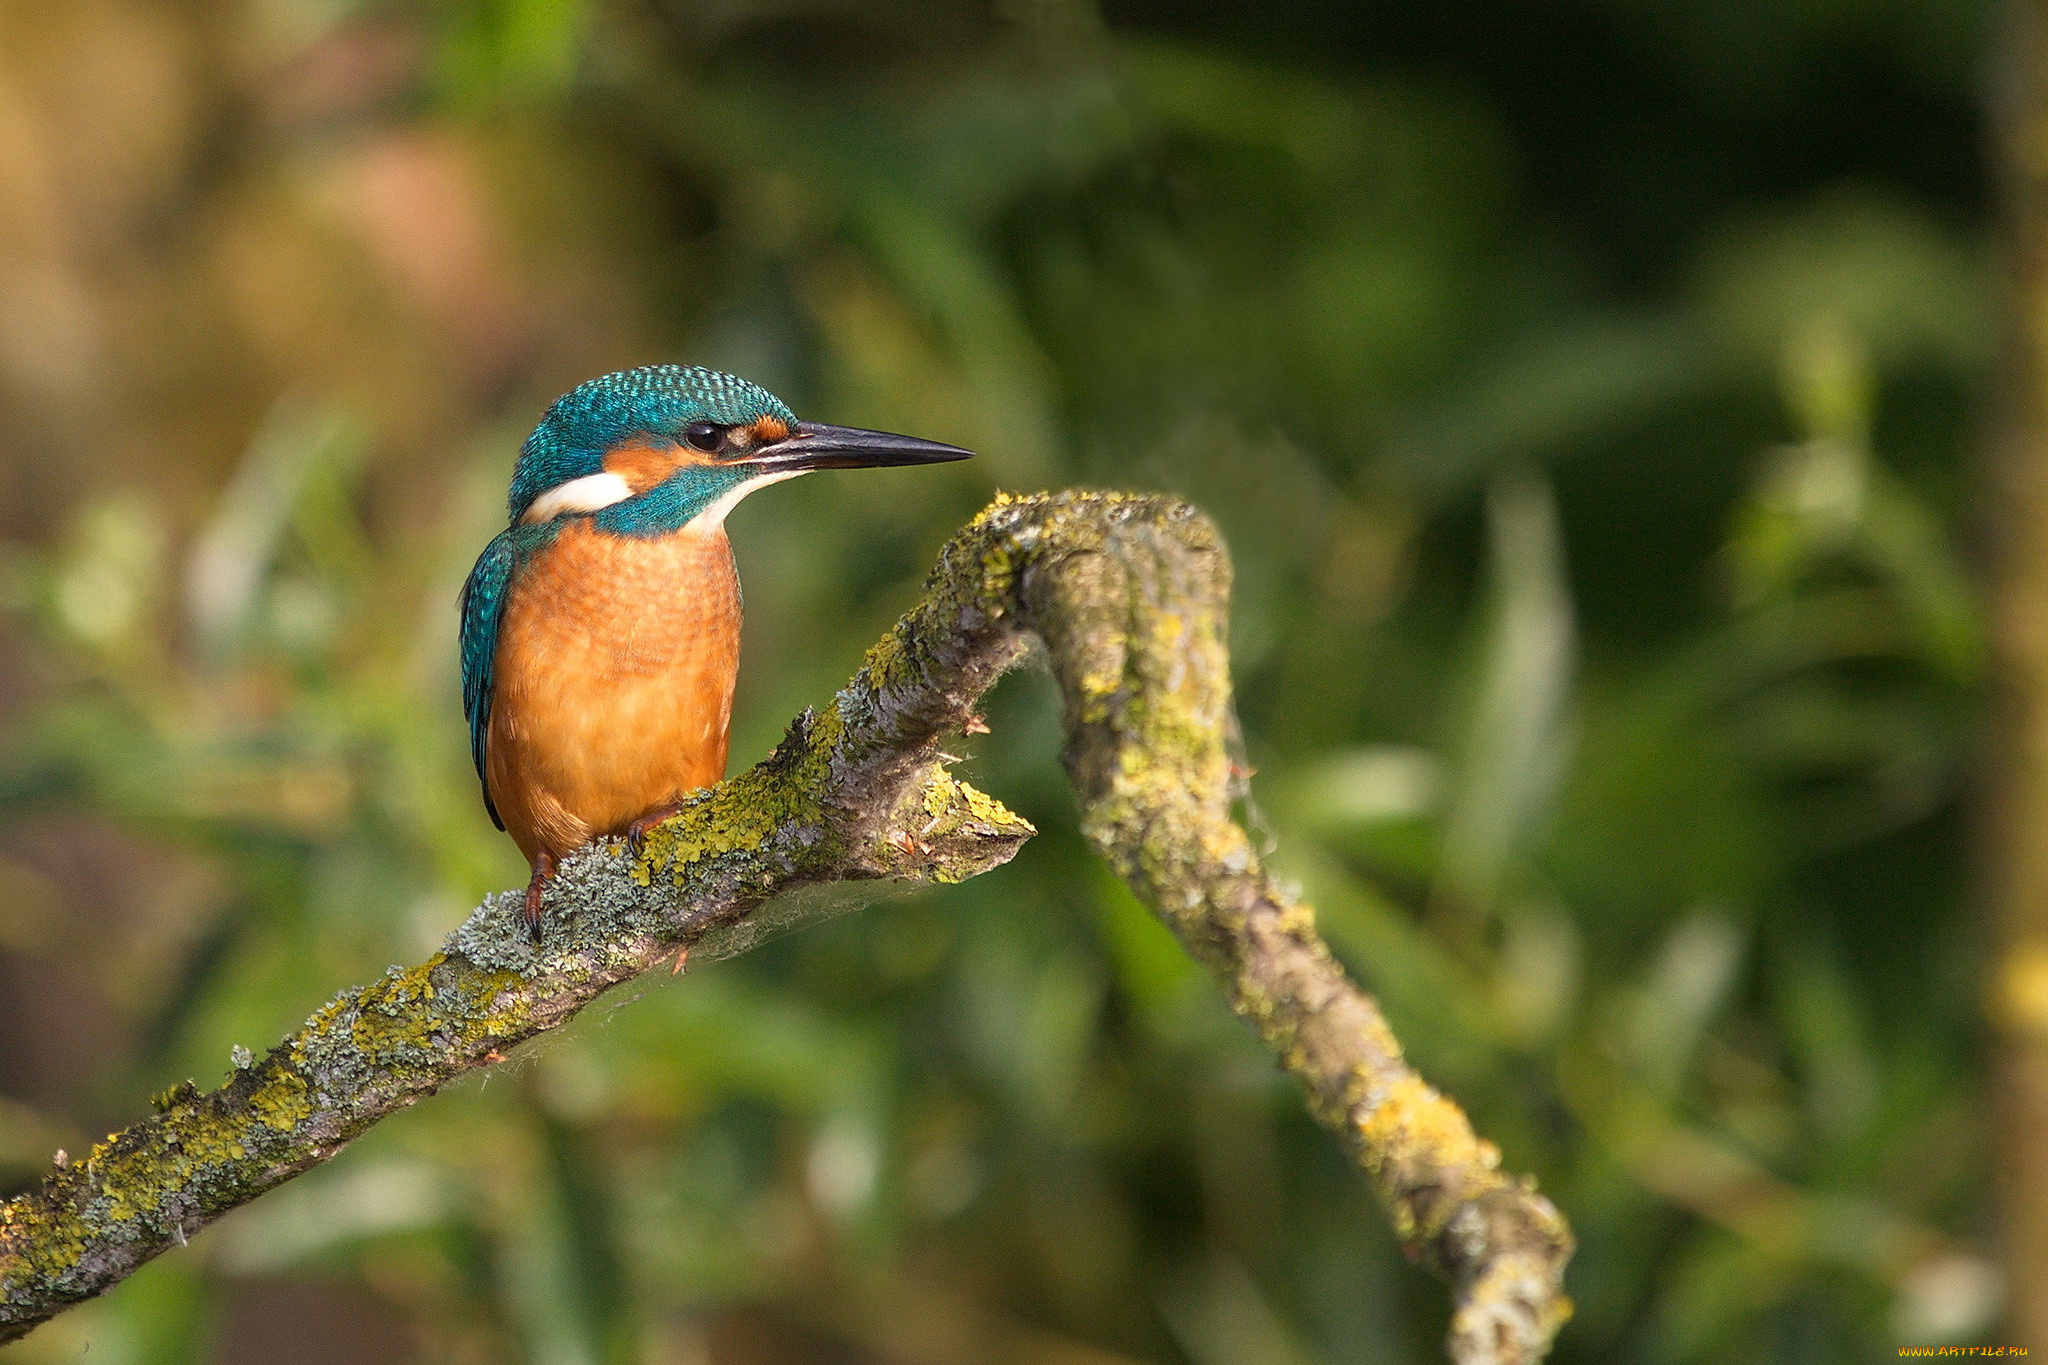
x: 650, y: 450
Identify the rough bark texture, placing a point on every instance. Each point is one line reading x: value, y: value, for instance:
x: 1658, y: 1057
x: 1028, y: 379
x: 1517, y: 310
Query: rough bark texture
x: 1130, y: 596
x: 2016, y: 850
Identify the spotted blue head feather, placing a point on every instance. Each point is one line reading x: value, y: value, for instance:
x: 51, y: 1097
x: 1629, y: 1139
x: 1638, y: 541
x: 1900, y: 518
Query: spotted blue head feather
x: 657, y: 401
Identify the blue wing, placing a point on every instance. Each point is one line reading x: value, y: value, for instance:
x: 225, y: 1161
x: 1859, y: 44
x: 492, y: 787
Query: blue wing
x: 483, y: 607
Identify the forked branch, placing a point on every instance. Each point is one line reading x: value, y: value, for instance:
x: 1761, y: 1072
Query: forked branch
x: 1130, y: 596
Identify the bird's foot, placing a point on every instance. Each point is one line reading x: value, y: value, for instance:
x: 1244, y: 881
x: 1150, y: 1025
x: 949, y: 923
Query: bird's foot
x: 543, y: 870
x: 636, y: 833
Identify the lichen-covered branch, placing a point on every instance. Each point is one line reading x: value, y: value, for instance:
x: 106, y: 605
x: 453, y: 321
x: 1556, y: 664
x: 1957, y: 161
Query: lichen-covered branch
x: 1130, y: 596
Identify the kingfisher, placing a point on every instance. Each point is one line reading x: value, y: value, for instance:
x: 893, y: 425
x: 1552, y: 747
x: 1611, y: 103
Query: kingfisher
x: 601, y: 627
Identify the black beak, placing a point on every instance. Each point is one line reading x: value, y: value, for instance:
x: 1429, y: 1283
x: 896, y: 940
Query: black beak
x: 814, y: 445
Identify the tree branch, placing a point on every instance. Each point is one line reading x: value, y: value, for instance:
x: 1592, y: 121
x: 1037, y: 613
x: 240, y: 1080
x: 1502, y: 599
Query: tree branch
x: 1130, y: 596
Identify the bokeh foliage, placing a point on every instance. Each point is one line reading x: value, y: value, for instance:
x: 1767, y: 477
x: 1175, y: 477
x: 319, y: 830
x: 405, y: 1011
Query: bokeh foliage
x: 1585, y: 390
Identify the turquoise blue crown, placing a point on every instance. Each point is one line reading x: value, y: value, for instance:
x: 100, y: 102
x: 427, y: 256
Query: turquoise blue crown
x: 654, y: 400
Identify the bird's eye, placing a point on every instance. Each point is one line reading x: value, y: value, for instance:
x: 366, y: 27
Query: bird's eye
x: 705, y: 436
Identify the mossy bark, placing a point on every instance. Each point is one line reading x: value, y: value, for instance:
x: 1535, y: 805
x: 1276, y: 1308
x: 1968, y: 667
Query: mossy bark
x: 1130, y: 596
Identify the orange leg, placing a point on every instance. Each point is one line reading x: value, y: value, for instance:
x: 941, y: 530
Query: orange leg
x: 636, y: 833
x: 543, y: 869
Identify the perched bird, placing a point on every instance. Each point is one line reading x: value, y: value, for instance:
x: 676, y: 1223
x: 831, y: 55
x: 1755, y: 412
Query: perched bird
x: 601, y: 628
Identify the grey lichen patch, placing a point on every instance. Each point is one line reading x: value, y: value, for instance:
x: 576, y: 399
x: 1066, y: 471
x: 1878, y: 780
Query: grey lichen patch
x: 594, y: 898
x: 494, y: 936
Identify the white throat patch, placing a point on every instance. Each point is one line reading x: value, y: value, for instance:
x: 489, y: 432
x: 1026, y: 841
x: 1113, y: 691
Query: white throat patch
x: 586, y: 494
x: 713, y: 517
x: 594, y: 492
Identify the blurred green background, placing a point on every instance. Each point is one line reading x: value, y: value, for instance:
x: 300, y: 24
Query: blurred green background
x: 1588, y: 391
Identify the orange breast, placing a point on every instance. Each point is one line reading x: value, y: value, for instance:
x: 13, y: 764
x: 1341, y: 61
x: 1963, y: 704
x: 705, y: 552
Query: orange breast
x: 613, y: 684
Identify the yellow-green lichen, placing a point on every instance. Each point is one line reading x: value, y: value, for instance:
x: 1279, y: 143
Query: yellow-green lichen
x: 53, y: 1241
x: 1414, y: 1127
x: 884, y: 662
x: 194, y: 1148
x: 998, y: 572
x: 989, y: 811
x: 743, y: 814
x: 940, y: 795
x: 405, y: 1022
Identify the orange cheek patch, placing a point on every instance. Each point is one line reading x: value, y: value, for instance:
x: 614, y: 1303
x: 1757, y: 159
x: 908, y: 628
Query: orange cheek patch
x: 643, y: 465
x: 769, y: 430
